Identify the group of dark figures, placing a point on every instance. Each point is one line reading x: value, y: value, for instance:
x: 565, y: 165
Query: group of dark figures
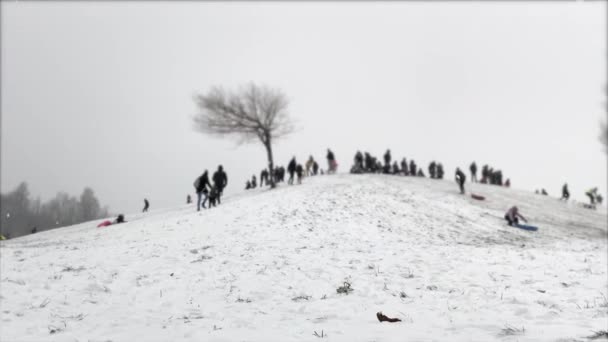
x: 295, y: 171
x: 207, y: 191
x: 594, y: 197
x: 366, y: 163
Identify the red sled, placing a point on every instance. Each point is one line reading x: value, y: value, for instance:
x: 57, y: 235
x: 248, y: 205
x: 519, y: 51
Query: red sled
x: 104, y: 224
x: 478, y: 197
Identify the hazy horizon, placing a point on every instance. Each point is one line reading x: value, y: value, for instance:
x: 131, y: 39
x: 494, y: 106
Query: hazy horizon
x: 100, y: 94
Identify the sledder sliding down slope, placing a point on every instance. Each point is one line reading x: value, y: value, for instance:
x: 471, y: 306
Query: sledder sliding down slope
x: 266, y: 266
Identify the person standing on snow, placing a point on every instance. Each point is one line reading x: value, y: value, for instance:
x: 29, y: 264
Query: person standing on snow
x: 473, y: 169
x: 188, y: 199
x: 331, y: 162
x: 146, y: 205
x: 220, y: 181
x: 264, y: 177
x: 512, y: 216
x: 299, y: 172
x: 460, y: 179
x: 433, y: 169
x: 315, y: 168
x: 309, y: 163
x: 200, y: 185
x: 254, y: 182
x: 565, y: 192
x: 291, y: 168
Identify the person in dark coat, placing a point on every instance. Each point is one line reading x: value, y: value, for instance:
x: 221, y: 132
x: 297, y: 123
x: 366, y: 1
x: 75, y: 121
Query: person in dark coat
x: 220, y: 181
x: 299, y: 172
x: 439, y: 171
x: 433, y: 169
x: 484, y: 174
x: 248, y: 185
x: 331, y: 162
x: 214, y: 195
x: 359, y: 160
x: 460, y: 179
x: 508, y: 183
x: 264, y: 177
x: 291, y: 168
x: 473, y: 169
x: 315, y: 168
x: 404, y: 166
x: 369, y: 163
x: 544, y: 192
x: 387, y: 158
x: 146, y: 205
x: 254, y: 182
x: 412, y: 167
x: 565, y: 192
x: 188, y: 199
x: 395, y: 168
x: 201, y: 185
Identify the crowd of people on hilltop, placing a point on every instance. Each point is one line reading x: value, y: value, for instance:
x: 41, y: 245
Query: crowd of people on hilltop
x: 296, y: 171
x: 367, y: 163
x: 488, y: 175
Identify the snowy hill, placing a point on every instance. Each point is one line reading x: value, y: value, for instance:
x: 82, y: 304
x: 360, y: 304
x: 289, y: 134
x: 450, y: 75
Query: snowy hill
x: 266, y: 266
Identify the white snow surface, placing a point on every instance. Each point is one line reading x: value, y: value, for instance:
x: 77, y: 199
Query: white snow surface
x: 266, y: 264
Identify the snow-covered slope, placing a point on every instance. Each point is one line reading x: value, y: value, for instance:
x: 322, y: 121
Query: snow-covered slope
x: 265, y: 266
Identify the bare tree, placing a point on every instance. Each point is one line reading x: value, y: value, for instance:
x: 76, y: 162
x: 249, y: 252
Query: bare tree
x: 253, y: 112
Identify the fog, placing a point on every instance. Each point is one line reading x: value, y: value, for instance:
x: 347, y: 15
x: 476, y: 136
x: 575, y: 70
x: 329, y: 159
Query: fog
x: 100, y: 94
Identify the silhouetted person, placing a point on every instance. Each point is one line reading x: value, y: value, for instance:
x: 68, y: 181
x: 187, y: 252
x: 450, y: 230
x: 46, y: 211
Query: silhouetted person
x: 599, y: 199
x: 369, y: 162
x: 420, y: 173
x: 120, y: 219
x: 543, y: 192
x: 404, y: 166
x: 254, y: 183
x: 146, y: 205
x: 484, y: 174
x: 220, y: 181
x: 248, y: 185
x: 214, y: 196
x: 387, y: 157
x: 508, y: 183
x: 460, y: 179
x: 291, y: 168
x: 592, y: 194
x: 473, y: 169
x: 200, y: 185
x: 565, y: 192
x: 188, y: 199
x: 315, y: 168
x: 331, y: 162
x: 439, y: 171
x: 412, y: 167
x: 432, y: 169
x: 34, y: 230
x: 299, y: 173
x: 359, y: 161
x: 264, y: 177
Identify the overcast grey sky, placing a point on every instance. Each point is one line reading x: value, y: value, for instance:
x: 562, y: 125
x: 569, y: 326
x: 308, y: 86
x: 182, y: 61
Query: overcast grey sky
x: 100, y: 94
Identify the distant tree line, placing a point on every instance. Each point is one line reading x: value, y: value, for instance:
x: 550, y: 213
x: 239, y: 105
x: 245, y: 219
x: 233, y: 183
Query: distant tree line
x: 22, y: 215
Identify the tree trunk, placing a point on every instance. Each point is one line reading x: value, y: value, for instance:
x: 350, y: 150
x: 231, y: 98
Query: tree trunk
x: 268, y: 146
